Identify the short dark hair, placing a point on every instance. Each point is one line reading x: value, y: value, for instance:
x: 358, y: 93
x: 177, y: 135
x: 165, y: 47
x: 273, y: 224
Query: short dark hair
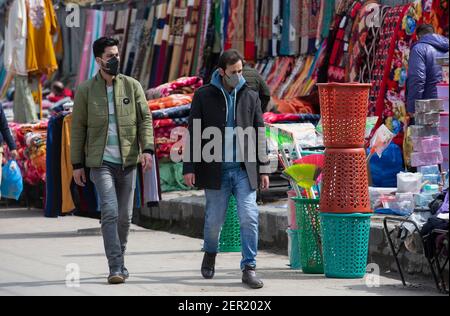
x: 103, y: 42
x: 425, y: 29
x: 229, y: 58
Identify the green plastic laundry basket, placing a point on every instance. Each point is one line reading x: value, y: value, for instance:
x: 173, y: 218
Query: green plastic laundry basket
x: 230, y: 236
x: 308, y: 219
x: 345, y: 244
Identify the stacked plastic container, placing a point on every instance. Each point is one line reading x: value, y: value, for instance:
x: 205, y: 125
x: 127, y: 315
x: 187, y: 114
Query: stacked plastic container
x: 345, y: 203
x: 443, y: 94
x: 426, y: 135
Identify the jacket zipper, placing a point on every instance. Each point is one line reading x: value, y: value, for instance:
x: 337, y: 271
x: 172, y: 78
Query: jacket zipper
x: 106, y: 137
x: 117, y: 125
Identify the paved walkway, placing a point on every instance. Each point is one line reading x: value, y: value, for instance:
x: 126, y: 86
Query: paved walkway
x: 36, y: 251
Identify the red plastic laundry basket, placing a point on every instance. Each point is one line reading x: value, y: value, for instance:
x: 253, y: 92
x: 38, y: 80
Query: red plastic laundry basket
x: 344, y: 111
x: 345, y: 182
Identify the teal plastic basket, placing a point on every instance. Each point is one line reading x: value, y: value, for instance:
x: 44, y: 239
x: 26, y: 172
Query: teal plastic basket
x: 294, y: 253
x: 230, y: 236
x: 345, y: 244
x: 308, y: 220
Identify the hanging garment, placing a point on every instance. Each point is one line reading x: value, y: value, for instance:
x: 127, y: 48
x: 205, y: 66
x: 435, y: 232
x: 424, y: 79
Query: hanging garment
x: 66, y: 167
x: 86, y: 54
x: 285, y: 28
x: 201, y: 37
x: 393, y: 103
x: 25, y: 110
x: 85, y: 198
x: 305, y: 10
x: 135, y: 40
x: 235, y: 32
x: 435, y: 12
x: 72, y: 39
x: 276, y: 27
x: 362, y: 44
x: 99, y: 20
x: 314, y: 24
x: 161, y: 14
x: 328, y: 13
x: 165, y: 52
x: 250, y: 30
x: 265, y: 29
x: 340, y: 55
x: 142, y: 67
x: 177, y: 37
x: 383, y: 59
x: 299, y: 63
x: 53, y: 185
x: 16, y: 39
x: 210, y: 58
x: 42, y: 25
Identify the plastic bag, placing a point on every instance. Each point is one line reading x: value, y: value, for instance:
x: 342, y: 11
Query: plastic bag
x: 384, y: 170
x: 381, y: 140
x: 409, y: 182
x: 12, y: 183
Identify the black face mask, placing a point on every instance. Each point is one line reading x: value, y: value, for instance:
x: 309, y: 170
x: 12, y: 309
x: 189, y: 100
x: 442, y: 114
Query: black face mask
x: 112, y: 66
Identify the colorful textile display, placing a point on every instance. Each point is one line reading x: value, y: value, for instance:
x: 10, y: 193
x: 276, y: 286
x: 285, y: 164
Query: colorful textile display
x: 31, y: 147
x: 169, y: 102
x: 185, y: 85
x: 172, y: 113
x: 273, y: 118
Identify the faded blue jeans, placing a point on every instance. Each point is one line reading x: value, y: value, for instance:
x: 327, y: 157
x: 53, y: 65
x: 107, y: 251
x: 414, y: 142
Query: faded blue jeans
x: 115, y: 188
x: 236, y: 182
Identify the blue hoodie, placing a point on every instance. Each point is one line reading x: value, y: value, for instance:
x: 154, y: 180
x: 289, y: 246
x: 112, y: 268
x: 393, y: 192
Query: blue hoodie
x: 424, y: 73
x: 230, y: 145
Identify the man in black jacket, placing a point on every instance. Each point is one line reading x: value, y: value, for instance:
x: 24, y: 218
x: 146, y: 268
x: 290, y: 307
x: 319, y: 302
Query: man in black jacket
x: 223, y: 162
x: 5, y: 136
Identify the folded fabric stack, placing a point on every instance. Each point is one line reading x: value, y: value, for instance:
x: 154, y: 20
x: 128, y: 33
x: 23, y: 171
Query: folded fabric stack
x: 31, y: 147
x: 171, y: 114
x: 294, y: 105
x: 273, y: 118
x: 171, y: 101
x: 185, y: 85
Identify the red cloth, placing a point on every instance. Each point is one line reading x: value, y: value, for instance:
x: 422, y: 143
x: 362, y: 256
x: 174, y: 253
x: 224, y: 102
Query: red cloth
x: 67, y: 93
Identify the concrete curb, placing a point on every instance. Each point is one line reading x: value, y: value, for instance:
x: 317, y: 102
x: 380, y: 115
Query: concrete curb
x: 183, y: 213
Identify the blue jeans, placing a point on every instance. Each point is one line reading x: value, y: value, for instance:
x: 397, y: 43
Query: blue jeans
x: 236, y: 182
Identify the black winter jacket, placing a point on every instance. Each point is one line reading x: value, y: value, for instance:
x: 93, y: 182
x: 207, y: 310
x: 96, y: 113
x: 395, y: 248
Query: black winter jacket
x: 209, y: 106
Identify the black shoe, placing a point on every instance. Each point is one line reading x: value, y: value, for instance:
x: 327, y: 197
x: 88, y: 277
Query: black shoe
x: 208, y: 265
x: 116, y: 278
x: 125, y: 273
x: 249, y: 278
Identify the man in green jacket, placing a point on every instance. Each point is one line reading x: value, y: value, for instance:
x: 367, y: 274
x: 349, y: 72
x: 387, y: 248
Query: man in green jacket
x: 112, y: 131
